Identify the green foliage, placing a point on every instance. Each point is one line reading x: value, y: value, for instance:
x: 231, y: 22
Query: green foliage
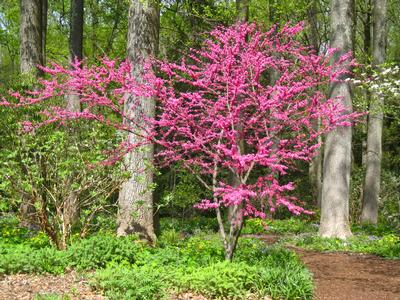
x: 99, y: 250
x: 287, y: 226
x: 130, y: 282
x: 191, y: 225
x: 87, y: 254
x: 12, y: 233
x: 197, y: 265
x: 125, y: 267
x: 387, y: 246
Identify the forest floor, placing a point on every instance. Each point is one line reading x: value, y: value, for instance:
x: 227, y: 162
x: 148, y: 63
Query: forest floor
x: 336, y: 275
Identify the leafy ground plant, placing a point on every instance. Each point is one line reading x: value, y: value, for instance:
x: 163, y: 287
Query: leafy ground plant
x: 125, y: 268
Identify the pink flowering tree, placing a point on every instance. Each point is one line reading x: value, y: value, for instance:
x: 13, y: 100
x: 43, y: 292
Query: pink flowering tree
x: 243, y: 106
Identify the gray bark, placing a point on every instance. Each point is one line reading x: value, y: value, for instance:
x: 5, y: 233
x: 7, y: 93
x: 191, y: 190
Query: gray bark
x: 71, y: 207
x: 135, y: 213
x: 315, y: 168
x: 242, y: 9
x: 44, y: 29
x: 31, y: 55
x: 371, y: 190
x: 31, y: 35
x: 75, y: 46
x: 76, y: 30
x: 337, y: 151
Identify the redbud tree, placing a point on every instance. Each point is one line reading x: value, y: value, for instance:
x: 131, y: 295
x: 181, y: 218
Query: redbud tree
x: 238, y: 113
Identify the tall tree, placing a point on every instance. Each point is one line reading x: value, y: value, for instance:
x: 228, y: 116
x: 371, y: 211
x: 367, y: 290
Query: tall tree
x: 71, y: 205
x: 337, y: 152
x: 315, y: 168
x: 75, y: 45
x: 31, y: 35
x: 45, y: 5
x: 242, y: 8
x: 31, y: 55
x: 375, y: 120
x: 135, y: 202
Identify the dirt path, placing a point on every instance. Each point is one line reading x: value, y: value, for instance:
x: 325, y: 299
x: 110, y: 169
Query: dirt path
x: 352, y: 276
x: 348, y: 276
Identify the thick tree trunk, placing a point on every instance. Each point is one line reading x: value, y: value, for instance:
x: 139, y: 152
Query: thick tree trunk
x: 375, y: 121
x: 337, y: 151
x: 135, y: 214
x: 31, y: 35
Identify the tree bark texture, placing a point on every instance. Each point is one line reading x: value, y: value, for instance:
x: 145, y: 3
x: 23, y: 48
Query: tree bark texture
x: 337, y: 151
x: 315, y: 167
x: 45, y: 6
x: 31, y: 35
x: 135, y: 214
x: 242, y: 9
x: 75, y: 46
x: 371, y: 190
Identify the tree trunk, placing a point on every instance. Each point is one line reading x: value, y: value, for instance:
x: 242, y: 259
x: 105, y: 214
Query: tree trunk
x: 315, y: 168
x: 337, y: 151
x: 31, y: 55
x: 31, y: 36
x: 44, y: 29
x: 71, y: 206
x: 75, y: 46
x: 135, y: 213
x: 242, y: 10
x: 371, y: 190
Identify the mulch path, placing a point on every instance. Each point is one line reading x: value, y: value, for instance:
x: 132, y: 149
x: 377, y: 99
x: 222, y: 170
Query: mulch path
x: 339, y: 276
x: 28, y: 286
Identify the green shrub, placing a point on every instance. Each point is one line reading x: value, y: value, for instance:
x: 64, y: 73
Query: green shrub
x: 130, y: 282
x: 26, y: 259
x: 98, y: 250
x: 197, y: 265
x: 292, y: 225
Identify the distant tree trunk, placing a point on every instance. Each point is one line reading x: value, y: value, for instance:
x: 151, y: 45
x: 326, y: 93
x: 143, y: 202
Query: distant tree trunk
x: 242, y: 10
x: 31, y: 55
x: 135, y: 213
x: 75, y: 45
x: 337, y: 151
x: 371, y: 190
x: 76, y: 30
x: 44, y: 29
x: 31, y: 35
x: 315, y: 168
x: 367, y: 51
x: 71, y: 205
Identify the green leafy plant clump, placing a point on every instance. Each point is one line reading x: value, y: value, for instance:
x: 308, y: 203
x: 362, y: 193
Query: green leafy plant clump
x: 198, y: 266
x: 125, y: 268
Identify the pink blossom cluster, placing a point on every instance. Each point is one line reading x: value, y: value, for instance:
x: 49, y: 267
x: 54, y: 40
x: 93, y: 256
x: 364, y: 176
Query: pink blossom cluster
x: 245, y: 105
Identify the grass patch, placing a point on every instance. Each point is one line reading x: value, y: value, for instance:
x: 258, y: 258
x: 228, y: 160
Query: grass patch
x: 387, y: 246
